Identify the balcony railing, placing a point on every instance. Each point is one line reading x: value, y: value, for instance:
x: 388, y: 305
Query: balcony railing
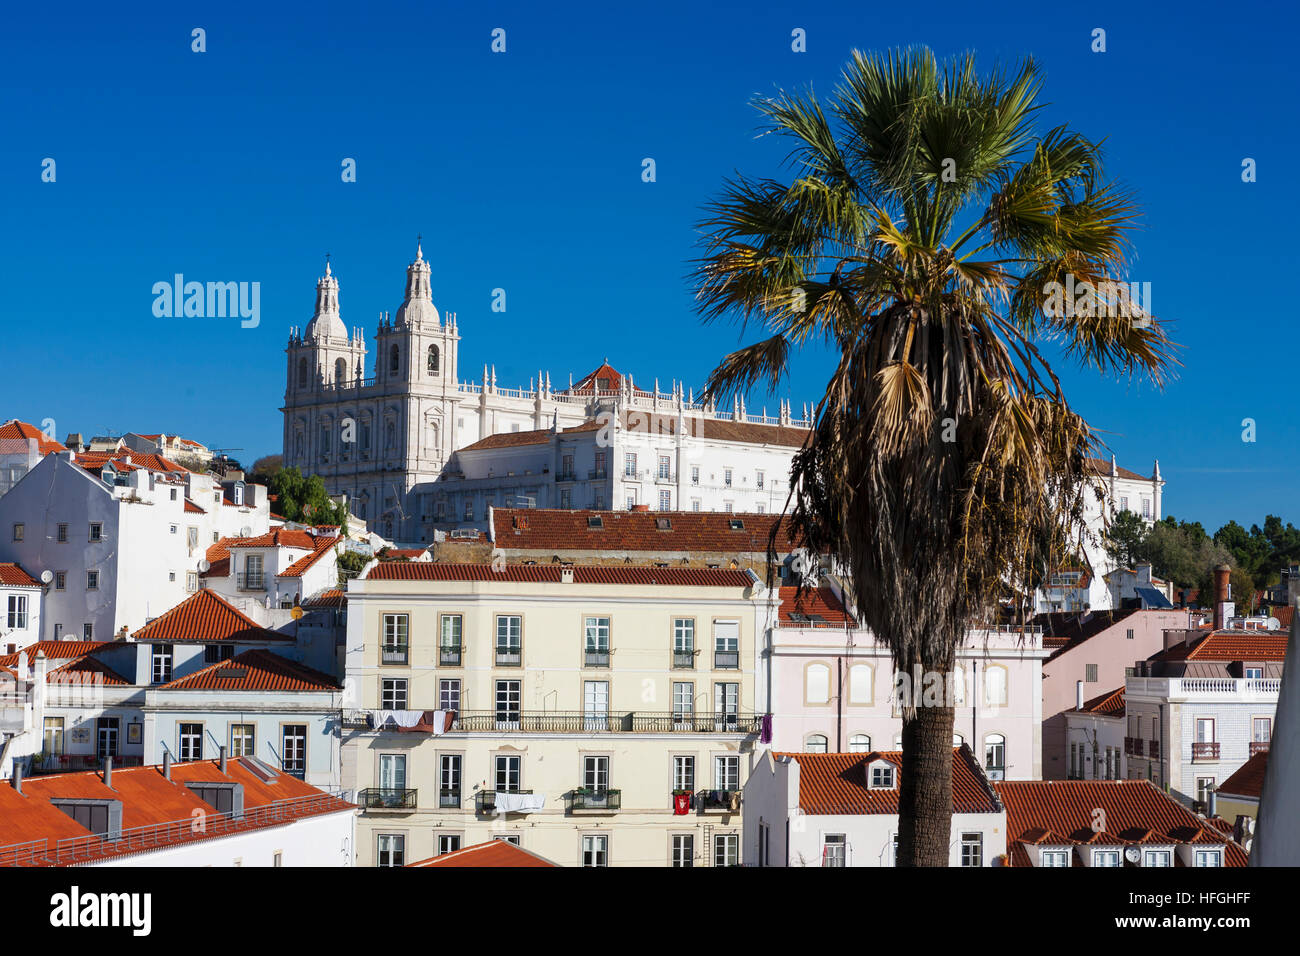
x: 559, y: 722
x: 485, y: 801
x: 247, y: 581
x: 395, y: 654
x: 1153, y: 749
x: 508, y: 658
x: 566, y: 475
x: 449, y: 799
x: 1258, y: 747
x: 1133, y: 746
x: 1205, y: 751
x: 684, y: 660
x: 592, y: 658
x: 727, y: 801
x: 386, y: 798
x: 57, y: 763
x: 449, y: 656
x: 598, y: 473
x: 726, y: 660
x: 583, y: 799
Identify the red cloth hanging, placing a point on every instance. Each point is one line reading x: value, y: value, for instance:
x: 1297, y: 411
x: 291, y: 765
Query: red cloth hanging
x: 681, y: 804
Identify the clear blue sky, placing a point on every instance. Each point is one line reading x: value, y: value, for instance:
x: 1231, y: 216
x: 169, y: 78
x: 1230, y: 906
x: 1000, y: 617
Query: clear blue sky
x: 523, y: 172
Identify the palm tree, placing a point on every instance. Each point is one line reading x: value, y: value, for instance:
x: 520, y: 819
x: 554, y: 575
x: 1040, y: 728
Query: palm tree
x: 921, y: 235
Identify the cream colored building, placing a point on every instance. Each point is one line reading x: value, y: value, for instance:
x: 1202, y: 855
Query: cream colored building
x: 602, y: 715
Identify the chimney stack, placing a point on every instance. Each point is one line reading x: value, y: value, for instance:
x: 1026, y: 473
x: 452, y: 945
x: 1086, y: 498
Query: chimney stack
x: 17, y: 778
x: 108, y: 771
x: 222, y: 752
x: 1078, y: 695
x: 167, y: 764
x: 1222, y: 574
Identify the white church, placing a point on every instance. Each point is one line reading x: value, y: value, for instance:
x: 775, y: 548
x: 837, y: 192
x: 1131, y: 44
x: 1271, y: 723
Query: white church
x: 416, y: 449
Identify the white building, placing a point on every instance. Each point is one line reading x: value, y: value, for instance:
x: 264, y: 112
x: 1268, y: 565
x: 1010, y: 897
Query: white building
x: 21, y: 600
x: 88, y: 518
x: 841, y: 809
x: 416, y: 447
x: 21, y: 447
x: 1095, y: 732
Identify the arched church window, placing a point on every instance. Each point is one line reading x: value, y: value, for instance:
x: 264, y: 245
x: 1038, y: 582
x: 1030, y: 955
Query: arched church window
x: 433, y: 360
x: 340, y: 371
x: 302, y: 373
x: 394, y: 359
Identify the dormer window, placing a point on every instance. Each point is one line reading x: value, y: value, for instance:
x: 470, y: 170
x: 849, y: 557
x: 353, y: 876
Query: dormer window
x: 664, y: 524
x: 238, y: 493
x: 736, y: 524
x: 881, y: 776
x: 108, y: 475
x: 1054, y: 858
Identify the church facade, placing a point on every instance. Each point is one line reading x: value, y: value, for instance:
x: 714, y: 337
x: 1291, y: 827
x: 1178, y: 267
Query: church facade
x: 417, y: 450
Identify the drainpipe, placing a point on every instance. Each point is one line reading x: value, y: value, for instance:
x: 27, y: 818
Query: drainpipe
x: 839, y: 705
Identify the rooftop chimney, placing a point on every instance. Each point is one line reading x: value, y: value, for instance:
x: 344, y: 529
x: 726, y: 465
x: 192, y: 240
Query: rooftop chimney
x: 222, y: 752
x: 1078, y: 695
x: 167, y: 765
x: 108, y: 771
x: 1222, y: 574
x: 17, y: 778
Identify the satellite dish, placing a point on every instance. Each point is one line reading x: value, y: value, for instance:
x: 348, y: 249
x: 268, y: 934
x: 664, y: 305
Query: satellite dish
x: 205, y: 565
x: 47, y: 576
x: 1273, y: 624
x: 1132, y: 854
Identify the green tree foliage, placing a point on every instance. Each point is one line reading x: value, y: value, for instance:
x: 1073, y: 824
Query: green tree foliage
x: 1124, y: 538
x: 351, y: 564
x: 304, y: 499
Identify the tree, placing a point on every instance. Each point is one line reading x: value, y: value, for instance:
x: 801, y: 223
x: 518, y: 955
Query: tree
x: 265, y: 467
x: 1124, y: 538
x: 304, y: 499
x: 351, y: 563
x: 926, y: 233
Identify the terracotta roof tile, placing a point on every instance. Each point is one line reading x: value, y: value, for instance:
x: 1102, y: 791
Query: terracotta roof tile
x: 16, y: 431
x: 192, y: 508
x: 331, y: 597
x: 820, y: 604
x: 206, y: 616
x: 1102, y: 467
x: 15, y: 577
x: 296, y: 570
x: 279, y: 538
x: 1105, y: 705
x: 55, y: 650
x: 837, y: 783
x: 84, y: 667
x: 1230, y: 646
x: 1248, y: 781
x: 127, y: 460
x: 557, y: 529
x: 550, y: 573
x: 493, y: 853
x: 255, y: 670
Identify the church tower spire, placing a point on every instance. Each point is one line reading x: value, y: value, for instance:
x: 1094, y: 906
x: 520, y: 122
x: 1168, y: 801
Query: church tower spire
x: 417, y: 308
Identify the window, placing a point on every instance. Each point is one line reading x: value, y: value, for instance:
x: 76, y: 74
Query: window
x: 683, y: 853
x: 171, y: 575
x: 448, y: 843
x: 1261, y: 730
x: 566, y: 466
x: 882, y: 776
x: 1204, y: 730
x: 972, y: 849
x: 817, y: 744
x: 683, y: 700
x: 602, y: 464
x: 595, y: 705
x: 695, y: 476
x: 508, y: 768
x: 1129, y: 634
x: 1054, y: 858
x: 1090, y: 673
x: 729, y: 506
x: 394, y: 359
x: 595, y: 851
x: 665, y: 501
x: 449, y: 695
x: 1203, y: 787
x: 684, y: 773
x: 859, y: 744
x: 191, y: 742
x: 860, y: 683
x: 392, y: 694
x: 243, y: 740
x: 596, y: 642
x: 595, y: 773
x: 507, y: 704
x: 392, y: 849
x: 449, y: 780
x: 1208, y: 858
x: 684, y: 642
x: 88, y: 632
x: 1254, y: 673
x: 834, y: 849
x: 1107, y: 858
x: 631, y: 498
x: 432, y: 364
x: 695, y: 504
x: 469, y: 508
x: 1156, y: 858
x: 726, y: 644
x: 995, y: 685
x: 107, y: 730
x: 19, y: 531
x: 302, y: 373
x: 62, y: 534
x: 396, y: 645
x: 60, y: 580
x: 162, y: 663
x: 726, y: 772
x: 665, y: 466
x: 216, y: 653
x: 294, y: 749
x: 92, y: 580
x: 726, y: 477
x: 726, y: 849
x: 758, y: 479
x: 510, y: 630
x: 53, y: 740
x: 191, y: 581
x: 726, y: 705
x: 817, y: 684
x: 629, y: 465
x: 449, y: 642
x: 995, y: 752
x: 18, y: 612
x: 1123, y: 502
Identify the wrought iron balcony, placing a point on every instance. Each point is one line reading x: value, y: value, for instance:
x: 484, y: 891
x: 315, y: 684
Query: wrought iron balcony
x: 576, y: 722
x: 1153, y: 749
x: 395, y: 654
x: 485, y: 801
x: 1258, y: 747
x: 450, y: 656
x: 509, y: 658
x: 1133, y: 746
x: 683, y: 660
x: 1205, y: 751
x: 387, y: 798
x: 246, y: 581
x: 585, y: 799
x: 726, y: 801
x: 598, y: 473
x: 449, y: 799
x: 566, y: 475
x: 592, y: 658
x: 726, y: 660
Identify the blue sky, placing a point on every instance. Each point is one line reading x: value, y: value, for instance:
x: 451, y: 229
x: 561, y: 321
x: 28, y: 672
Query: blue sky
x: 522, y: 171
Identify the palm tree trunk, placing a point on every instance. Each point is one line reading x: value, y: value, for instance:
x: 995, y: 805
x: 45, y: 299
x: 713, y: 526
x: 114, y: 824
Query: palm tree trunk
x: 925, y: 788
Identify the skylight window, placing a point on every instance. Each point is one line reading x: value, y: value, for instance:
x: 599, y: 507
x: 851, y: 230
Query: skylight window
x: 595, y: 522
x: 736, y: 524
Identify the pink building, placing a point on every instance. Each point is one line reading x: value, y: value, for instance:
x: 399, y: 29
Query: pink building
x: 830, y: 687
x: 1090, y: 654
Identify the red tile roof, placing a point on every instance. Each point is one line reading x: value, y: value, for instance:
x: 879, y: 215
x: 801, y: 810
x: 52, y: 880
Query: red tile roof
x: 192, y: 508
x: 1104, y: 705
x: 255, y: 670
x: 279, y: 538
x: 1102, y: 467
x: 820, y: 603
x: 206, y: 616
x: 550, y: 573
x: 84, y: 669
x: 1230, y: 646
x: 589, y: 383
x: 127, y: 460
x: 14, y: 430
x: 296, y: 570
x: 54, y: 650
x: 1284, y: 616
x: 15, y: 577
x: 1064, y: 812
x: 837, y: 783
x: 332, y: 597
x: 492, y: 853
x: 556, y: 529
x: 1248, y: 781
